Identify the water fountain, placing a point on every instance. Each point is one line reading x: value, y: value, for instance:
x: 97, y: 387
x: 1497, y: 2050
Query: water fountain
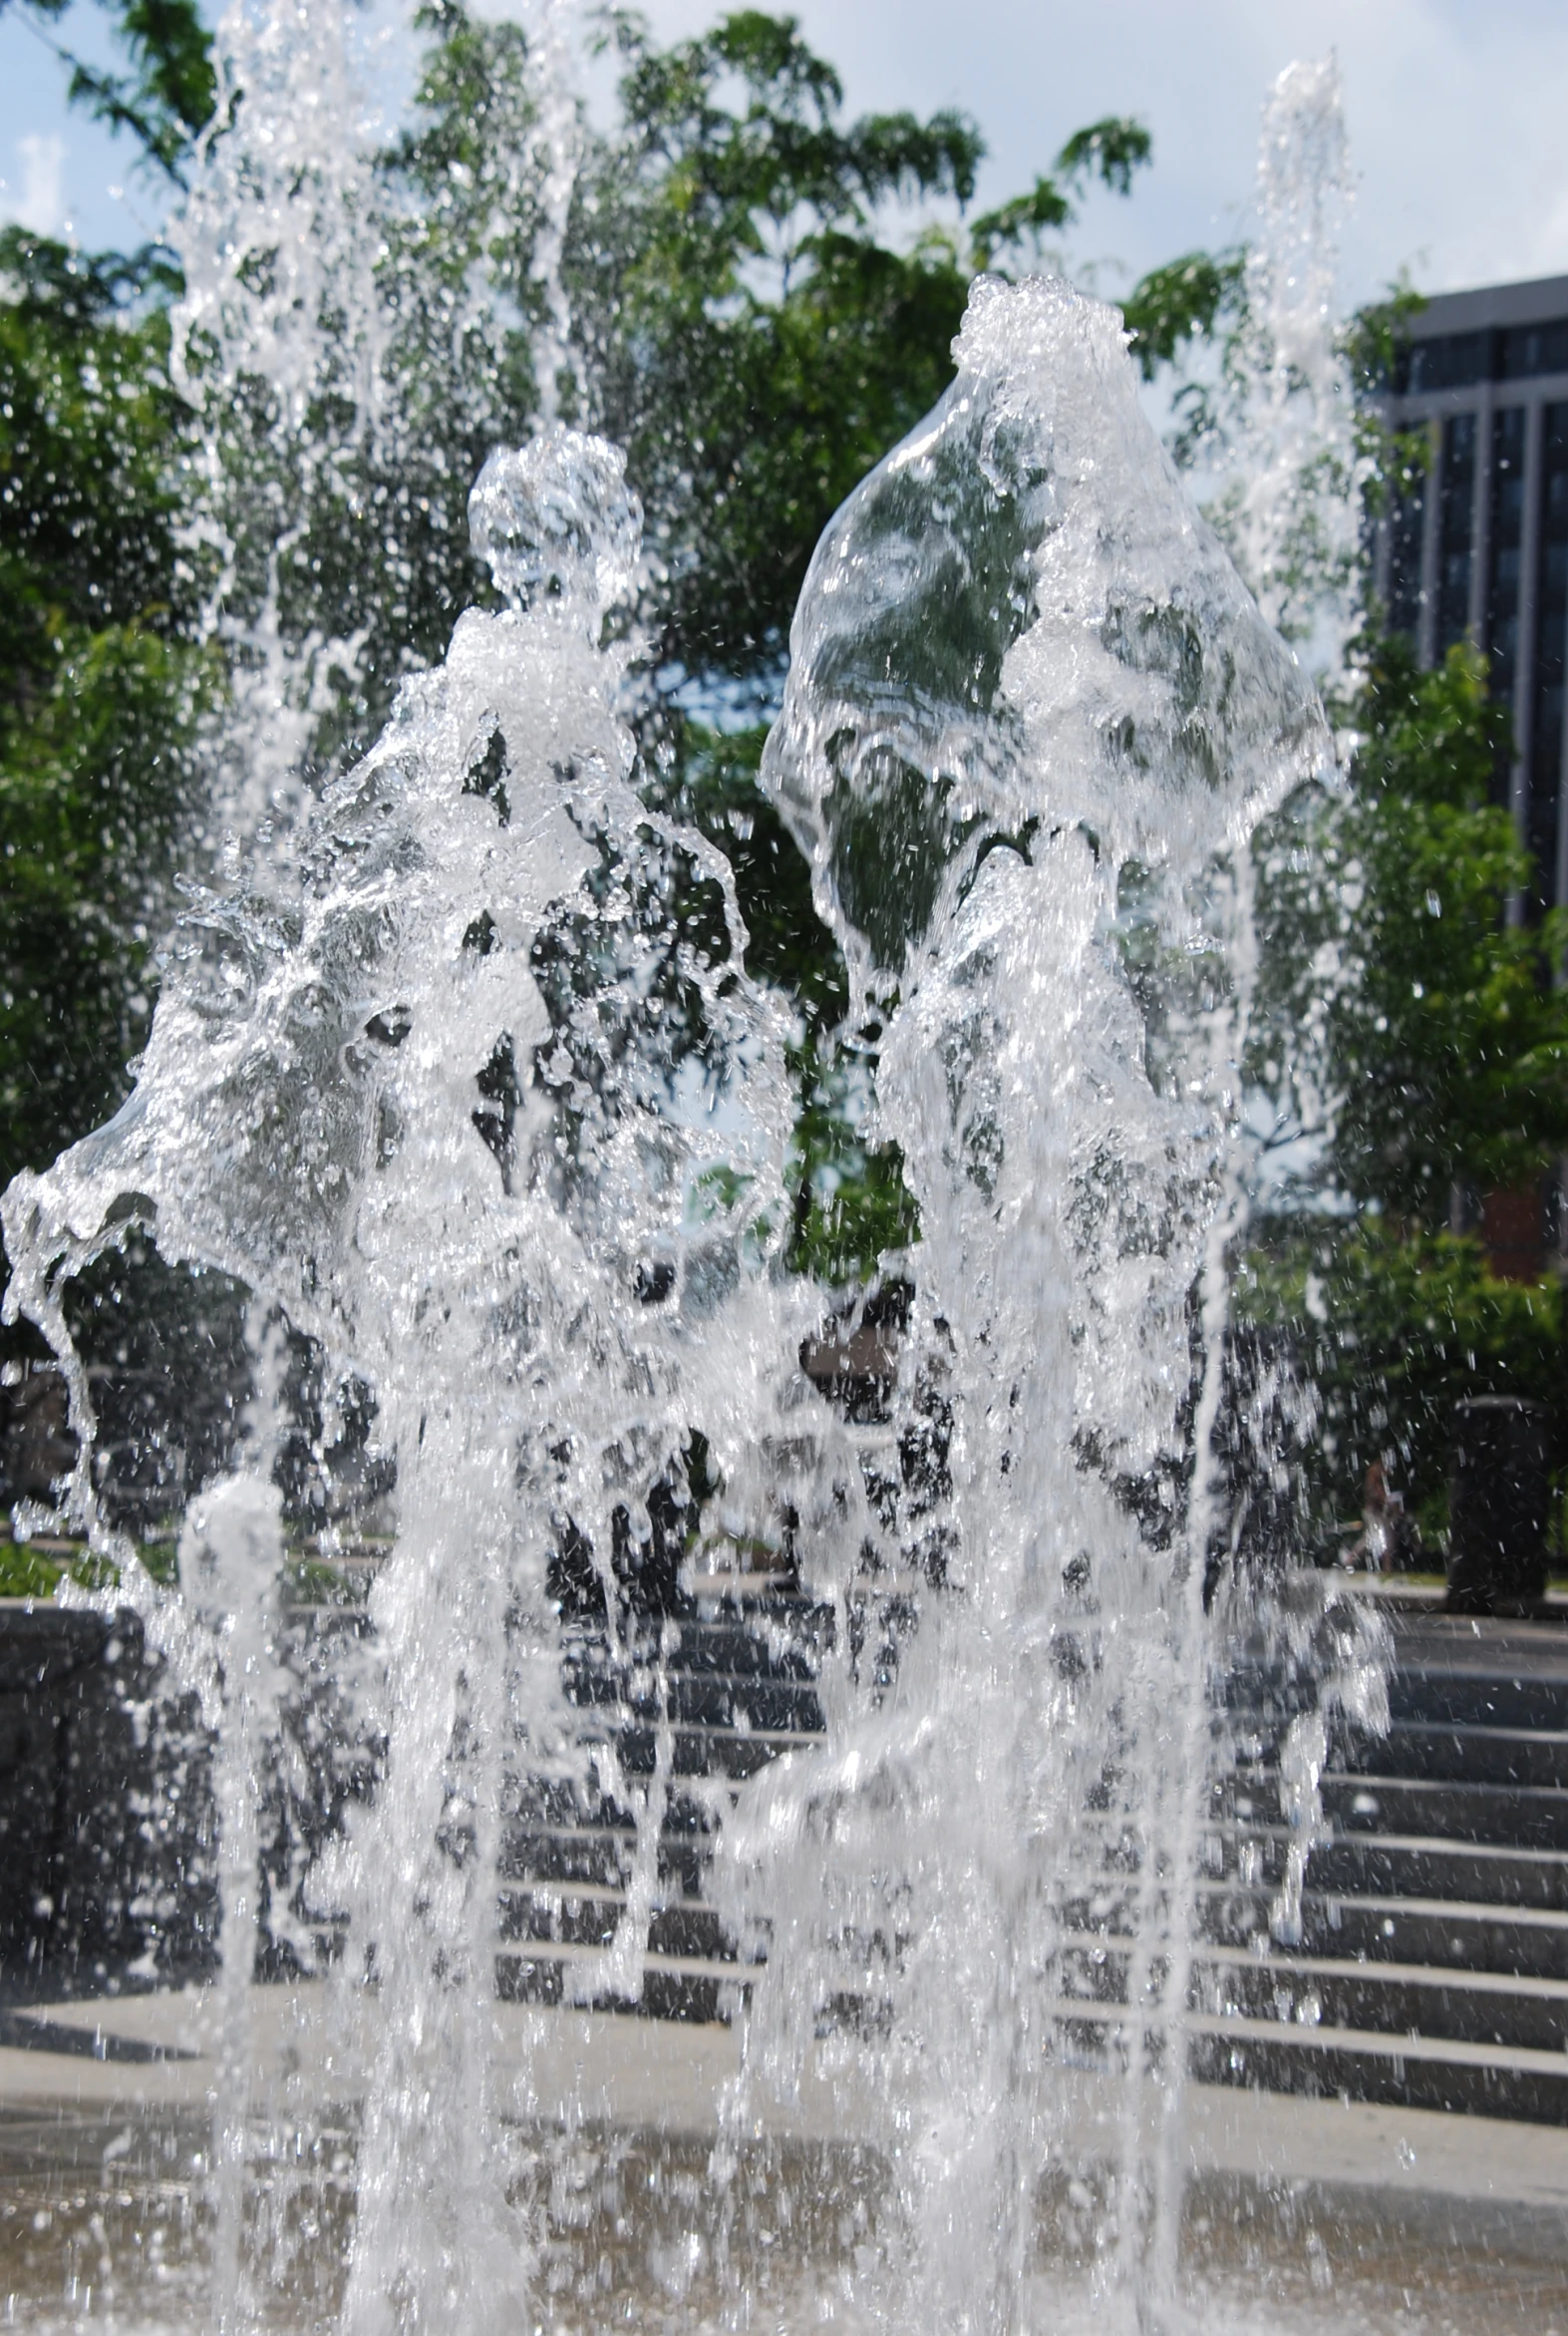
x: 478, y: 1094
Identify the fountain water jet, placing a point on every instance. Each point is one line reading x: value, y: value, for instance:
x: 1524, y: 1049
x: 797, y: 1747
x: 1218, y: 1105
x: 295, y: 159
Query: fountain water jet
x: 482, y: 1098
x: 1032, y: 719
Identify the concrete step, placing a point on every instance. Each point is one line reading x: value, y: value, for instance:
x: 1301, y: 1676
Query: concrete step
x: 673, y: 1987
x: 560, y: 1857
x: 708, y: 1753
x: 1395, y: 1999
x: 696, y: 1699
x: 1471, y: 2080
x: 1408, y: 2072
x: 1311, y: 1992
x: 1458, y: 1755
x: 1437, y: 1934
x: 1437, y: 1809
x: 591, y: 1916
x: 780, y: 1639
x: 1399, y: 1865
x: 1527, y: 1699
x: 1518, y: 1816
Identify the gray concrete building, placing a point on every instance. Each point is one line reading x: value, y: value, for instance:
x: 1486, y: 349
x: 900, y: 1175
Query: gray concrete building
x: 1481, y: 547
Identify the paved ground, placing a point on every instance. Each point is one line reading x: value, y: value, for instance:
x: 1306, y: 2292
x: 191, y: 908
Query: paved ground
x: 151, y: 2054
x: 1303, y: 2213
x: 1303, y: 2218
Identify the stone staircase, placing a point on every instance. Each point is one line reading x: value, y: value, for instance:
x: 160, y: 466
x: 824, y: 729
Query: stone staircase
x: 727, y: 1684
x: 1431, y: 1967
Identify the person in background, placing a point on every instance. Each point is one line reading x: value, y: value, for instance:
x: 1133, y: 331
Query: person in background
x: 1390, y: 1541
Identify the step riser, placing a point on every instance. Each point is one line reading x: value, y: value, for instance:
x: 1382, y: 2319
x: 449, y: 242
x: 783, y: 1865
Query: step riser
x: 1387, y: 2008
x: 1369, y: 2005
x: 1372, y: 1869
x: 1490, y: 1815
x: 1321, y: 2074
x: 1460, y: 1942
x: 698, y: 1700
x: 1469, y: 1702
x: 666, y: 1995
x: 1478, y: 1755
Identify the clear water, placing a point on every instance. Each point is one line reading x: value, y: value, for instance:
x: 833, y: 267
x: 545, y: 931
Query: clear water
x: 469, y: 1085
x: 1281, y: 456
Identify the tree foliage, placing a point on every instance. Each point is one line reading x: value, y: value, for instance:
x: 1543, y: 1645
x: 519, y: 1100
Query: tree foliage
x: 104, y: 684
x: 168, y: 97
x: 1401, y: 991
x: 1390, y: 1327
x: 750, y: 333
x: 1412, y: 1034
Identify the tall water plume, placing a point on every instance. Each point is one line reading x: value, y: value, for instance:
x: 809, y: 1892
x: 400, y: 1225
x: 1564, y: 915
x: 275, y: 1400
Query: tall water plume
x: 479, y: 1096
x: 487, y: 1111
x: 1285, y: 451
x: 551, y: 27
x: 1032, y: 720
x: 335, y: 348
x: 279, y: 344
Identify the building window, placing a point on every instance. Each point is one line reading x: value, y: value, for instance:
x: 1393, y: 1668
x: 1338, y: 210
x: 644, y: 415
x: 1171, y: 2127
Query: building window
x: 1551, y: 643
x: 1505, y: 554
x: 1456, y: 519
x: 1448, y: 361
x: 1406, y: 517
x: 1525, y: 350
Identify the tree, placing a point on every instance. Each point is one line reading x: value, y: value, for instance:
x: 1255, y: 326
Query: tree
x: 751, y: 332
x: 1413, y: 1037
x: 168, y: 95
x: 103, y: 683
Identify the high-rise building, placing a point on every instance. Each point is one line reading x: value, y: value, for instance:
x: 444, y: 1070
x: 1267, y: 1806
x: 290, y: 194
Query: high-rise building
x: 1481, y: 547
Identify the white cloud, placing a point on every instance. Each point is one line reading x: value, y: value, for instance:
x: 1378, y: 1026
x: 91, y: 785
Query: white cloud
x: 41, y: 204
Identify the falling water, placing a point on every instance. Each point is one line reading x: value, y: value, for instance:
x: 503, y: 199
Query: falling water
x: 1032, y: 719
x: 279, y: 344
x: 1291, y: 500
x: 479, y: 1096
x: 553, y: 72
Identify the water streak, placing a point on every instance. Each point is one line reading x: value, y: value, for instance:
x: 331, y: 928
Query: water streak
x: 1292, y: 501
x: 1032, y: 719
x: 479, y: 1096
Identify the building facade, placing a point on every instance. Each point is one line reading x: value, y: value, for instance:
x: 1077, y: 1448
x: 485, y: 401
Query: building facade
x: 1480, y: 548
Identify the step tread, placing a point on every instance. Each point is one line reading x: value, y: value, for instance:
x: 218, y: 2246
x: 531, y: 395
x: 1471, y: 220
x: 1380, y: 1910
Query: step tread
x: 1374, y: 2043
x: 1431, y: 1910
x: 1332, y: 1839
x: 552, y: 1950
x: 1463, y: 1983
x: 1288, y: 1963
x: 1361, y: 1781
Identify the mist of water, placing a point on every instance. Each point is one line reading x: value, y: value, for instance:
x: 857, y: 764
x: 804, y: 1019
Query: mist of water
x: 1030, y: 721
x: 279, y: 343
x: 479, y: 1096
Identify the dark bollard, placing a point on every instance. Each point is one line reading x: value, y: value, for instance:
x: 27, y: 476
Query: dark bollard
x: 1498, y: 1497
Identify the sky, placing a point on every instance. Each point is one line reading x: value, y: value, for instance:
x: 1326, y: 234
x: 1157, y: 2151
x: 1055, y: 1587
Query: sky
x: 1457, y: 111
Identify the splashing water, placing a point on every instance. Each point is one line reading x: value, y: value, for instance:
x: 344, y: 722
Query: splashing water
x: 1031, y: 720
x: 509, y: 1145
x: 1289, y: 493
x: 479, y: 1096
x: 280, y: 345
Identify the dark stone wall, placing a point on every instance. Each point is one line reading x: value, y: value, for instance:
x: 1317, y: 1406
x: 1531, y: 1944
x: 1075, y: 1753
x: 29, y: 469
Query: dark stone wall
x: 105, y: 1830
x: 108, y: 1826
